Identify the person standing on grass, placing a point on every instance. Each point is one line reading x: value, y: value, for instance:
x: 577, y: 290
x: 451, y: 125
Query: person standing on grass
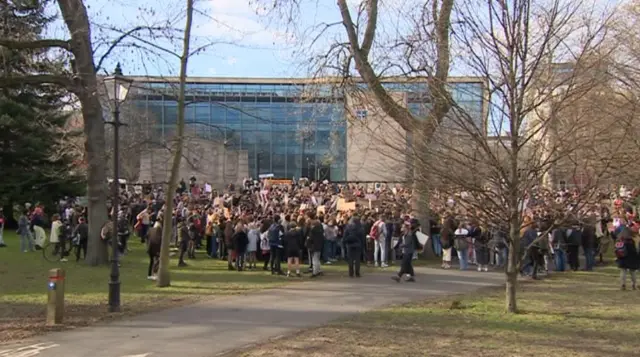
x: 184, y: 236
x: 254, y: 237
x: 574, y: 239
x: 240, y: 242
x: 292, y: 239
x: 409, y: 244
x: 57, y: 237
x: 82, y: 231
x: 26, y: 243
x: 354, y: 235
x: 628, y: 259
x: 144, y: 221
x: 461, y: 243
x: 275, y: 234
x: 315, y: 243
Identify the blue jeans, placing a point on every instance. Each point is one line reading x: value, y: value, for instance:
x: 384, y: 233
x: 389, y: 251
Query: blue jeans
x: 329, y: 249
x: 437, y: 244
x: 590, y: 258
x: 25, y: 241
x: 463, y: 256
x: 213, y: 253
x: 560, y: 259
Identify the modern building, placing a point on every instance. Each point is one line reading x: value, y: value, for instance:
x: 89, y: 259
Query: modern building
x: 287, y: 127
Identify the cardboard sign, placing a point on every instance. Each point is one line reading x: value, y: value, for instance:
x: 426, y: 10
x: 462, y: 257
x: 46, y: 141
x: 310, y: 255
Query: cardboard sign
x: 321, y: 210
x: 346, y: 206
x: 207, y: 188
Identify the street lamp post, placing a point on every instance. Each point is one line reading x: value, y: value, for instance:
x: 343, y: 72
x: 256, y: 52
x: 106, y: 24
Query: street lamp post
x: 117, y: 87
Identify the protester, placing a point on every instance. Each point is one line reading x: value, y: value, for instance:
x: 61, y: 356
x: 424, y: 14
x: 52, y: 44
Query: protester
x: 409, y: 244
x: 353, y: 237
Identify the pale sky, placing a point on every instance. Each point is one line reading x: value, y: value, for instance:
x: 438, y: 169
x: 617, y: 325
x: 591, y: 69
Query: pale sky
x: 241, y: 42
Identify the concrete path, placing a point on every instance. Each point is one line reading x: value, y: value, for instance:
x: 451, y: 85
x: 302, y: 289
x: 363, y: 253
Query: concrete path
x: 211, y: 328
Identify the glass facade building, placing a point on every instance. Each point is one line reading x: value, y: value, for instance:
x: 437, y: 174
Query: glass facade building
x: 289, y: 128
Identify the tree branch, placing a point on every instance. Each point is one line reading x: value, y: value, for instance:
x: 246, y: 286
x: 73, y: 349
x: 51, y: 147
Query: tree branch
x: 370, y: 32
x: 37, y: 44
x: 37, y: 79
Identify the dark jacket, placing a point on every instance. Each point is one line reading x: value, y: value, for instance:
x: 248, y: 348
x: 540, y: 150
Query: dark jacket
x: 574, y: 237
x: 588, y: 237
x: 82, y: 230
x: 275, y: 234
x: 409, y: 243
x: 155, y: 241
x: 354, y: 234
x: 185, y: 233
x: 293, y: 239
x: 446, y: 232
x: 315, y: 237
x: 228, y: 234
x: 632, y: 260
x: 559, y: 236
x: 240, y: 242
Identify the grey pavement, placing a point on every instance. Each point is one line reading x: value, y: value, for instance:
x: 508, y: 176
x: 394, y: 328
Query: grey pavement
x: 210, y: 328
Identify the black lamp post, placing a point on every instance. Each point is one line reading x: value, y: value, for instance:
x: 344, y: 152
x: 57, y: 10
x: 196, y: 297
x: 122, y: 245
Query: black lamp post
x: 117, y: 87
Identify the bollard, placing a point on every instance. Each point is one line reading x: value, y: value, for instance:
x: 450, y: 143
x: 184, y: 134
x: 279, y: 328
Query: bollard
x: 55, y: 300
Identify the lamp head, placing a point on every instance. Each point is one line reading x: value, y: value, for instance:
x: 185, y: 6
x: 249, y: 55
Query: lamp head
x: 117, y: 86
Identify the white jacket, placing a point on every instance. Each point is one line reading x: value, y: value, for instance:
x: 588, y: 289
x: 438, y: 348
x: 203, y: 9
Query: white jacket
x: 55, y: 232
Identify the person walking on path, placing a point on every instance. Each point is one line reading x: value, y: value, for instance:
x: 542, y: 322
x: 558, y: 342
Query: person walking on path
x: 354, y: 235
x: 409, y: 244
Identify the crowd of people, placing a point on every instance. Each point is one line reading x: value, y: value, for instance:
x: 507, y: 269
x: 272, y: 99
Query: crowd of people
x: 294, y: 222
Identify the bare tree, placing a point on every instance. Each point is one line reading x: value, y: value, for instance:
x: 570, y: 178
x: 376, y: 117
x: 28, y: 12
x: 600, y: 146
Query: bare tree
x: 515, y: 47
x: 353, y: 53
x: 164, y: 278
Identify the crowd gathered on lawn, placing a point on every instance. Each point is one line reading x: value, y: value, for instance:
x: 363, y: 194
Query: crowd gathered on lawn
x: 281, y: 224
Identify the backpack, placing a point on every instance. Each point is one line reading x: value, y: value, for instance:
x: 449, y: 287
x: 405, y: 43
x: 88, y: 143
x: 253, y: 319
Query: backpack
x: 374, y: 233
x: 620, y: 249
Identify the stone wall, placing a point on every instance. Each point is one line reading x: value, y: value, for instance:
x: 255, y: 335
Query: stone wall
x: 376, y: 144
x: 208, y: 161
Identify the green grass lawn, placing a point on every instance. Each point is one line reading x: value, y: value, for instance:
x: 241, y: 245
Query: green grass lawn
x: 570, y: 314
x: 23, y: 287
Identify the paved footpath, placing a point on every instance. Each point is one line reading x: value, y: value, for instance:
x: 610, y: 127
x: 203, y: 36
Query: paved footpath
x: 213, y: 327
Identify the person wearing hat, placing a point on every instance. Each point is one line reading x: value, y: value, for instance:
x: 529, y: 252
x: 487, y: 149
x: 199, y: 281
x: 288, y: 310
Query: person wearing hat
x: 409, y: 244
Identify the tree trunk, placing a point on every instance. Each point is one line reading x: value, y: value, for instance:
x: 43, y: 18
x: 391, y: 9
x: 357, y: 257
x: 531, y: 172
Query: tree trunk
x: 75, y: 17
x: 420, y: 197
x: 512, y: 278
x: 164, y: 278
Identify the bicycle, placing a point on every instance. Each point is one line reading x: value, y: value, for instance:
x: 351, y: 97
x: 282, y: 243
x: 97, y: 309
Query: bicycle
x: 51, y: 251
